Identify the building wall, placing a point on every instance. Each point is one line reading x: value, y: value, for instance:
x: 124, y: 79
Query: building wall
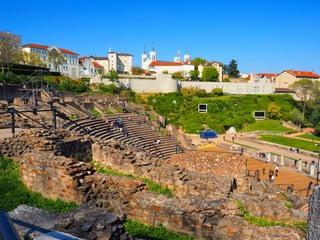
x: 285, y: 79
x: 232, y: 88
x: 162, y: 83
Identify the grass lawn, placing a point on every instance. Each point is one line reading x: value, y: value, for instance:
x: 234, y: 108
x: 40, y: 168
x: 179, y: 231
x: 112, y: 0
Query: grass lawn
x: 266, y: 125
x: 290, y: 142
x: 308, y: 136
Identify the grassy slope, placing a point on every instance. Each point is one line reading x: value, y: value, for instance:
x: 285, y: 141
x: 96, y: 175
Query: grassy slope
x: 308, y: 136
x: 290, y: 142
x: 266, y: 125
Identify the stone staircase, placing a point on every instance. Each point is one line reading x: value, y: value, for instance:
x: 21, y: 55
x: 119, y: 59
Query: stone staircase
x: 133, y: 130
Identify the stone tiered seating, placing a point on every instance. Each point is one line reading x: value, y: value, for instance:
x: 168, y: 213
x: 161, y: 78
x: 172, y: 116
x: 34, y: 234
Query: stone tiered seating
x: 136, y: 131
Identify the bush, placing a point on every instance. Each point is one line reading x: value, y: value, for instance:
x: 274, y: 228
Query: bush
x: 177, y: 75
x: 109, y: 88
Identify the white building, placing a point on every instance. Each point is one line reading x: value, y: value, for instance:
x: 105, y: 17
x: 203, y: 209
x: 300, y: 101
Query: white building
x: 154, y: 66
x: 90, y: 68
x: 121, y: 62
x: 13, y: 38
x: 70, y: 66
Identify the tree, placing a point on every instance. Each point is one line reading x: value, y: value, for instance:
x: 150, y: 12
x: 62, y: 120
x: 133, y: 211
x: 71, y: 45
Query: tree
x: 113, y: 75
x: 197, y: 61
x: 210, y: 74
x: 274, y: 111
x: 226, y: 80
x: 135, y: 70
x: 297, y: 117
x: 194, y: 74
x: 8, y: 52
x: 56, y: 58
x: 306, y: 90
x: 232, y: 69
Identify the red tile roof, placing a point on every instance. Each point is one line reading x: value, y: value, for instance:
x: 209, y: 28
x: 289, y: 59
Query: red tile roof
x: 82, y: 58
x: 97, y: 65
x: 303, y: 73
x: 67, y: 51
x: 267, y: 74
x: 157, y: 63
x: 32, y: 45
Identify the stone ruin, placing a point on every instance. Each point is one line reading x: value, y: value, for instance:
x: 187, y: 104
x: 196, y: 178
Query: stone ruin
x: 206, y: 188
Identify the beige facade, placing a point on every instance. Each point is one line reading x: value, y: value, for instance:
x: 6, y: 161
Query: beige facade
x: 211, y: 64
x: 15, y: 39
x: 288, y: 77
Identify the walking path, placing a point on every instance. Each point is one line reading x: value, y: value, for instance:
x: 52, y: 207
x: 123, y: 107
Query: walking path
x: 286, y: 176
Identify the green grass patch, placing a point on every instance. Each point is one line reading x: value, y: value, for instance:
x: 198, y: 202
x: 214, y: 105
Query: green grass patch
x: 290, y: 142
x: 154, y: 187
x: 108, y: 111
x: 140, y: 230
x: 95, y: 113
x: 265, y: 222
x: 119, y: 110
x: 13, y: 192
x: 309, y: 136
x: 73, y: 117
x: 151, y: 116
x: 266, y: 125
x: 243, y: 145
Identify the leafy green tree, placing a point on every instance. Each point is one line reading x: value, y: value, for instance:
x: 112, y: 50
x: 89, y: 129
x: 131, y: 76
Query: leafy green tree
x: 274, y: 111
x: 56, y: 58
x: 317, y: 130
x: 112, y: 75
x: 306, y: 90
x: 217, y: 92
x: 194, y: 74
x: 297, y: 116
x: 226, y: 80
x: 197, y: 61
x: 136, y: 70
x: 233, y: 69
x: 210, y: 74
x: 8, y: 52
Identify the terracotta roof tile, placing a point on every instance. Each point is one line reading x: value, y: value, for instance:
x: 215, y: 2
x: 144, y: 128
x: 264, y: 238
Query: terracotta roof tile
x: 32, y: 45
x: 303, y: 73
x: 267, y: 74
x: 97, y: 65
x: 158, y: 63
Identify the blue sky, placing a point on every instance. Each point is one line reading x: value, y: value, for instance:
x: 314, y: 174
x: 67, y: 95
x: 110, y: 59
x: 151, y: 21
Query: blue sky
x: 263, y: 36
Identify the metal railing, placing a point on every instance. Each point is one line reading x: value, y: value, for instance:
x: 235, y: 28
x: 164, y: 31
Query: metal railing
x: 7, y: 229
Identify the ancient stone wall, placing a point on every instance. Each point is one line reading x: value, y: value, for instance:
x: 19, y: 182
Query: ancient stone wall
x: 178, y: 178
x: 55, y: 177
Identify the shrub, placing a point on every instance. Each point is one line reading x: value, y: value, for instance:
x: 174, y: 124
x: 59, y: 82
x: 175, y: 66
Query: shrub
x: 177, y: 75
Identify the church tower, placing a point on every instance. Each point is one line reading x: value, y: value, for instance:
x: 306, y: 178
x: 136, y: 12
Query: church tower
x: 153, y: 54
x: 186, y: 57
x: 144, y: 56
x: 177, y: 58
